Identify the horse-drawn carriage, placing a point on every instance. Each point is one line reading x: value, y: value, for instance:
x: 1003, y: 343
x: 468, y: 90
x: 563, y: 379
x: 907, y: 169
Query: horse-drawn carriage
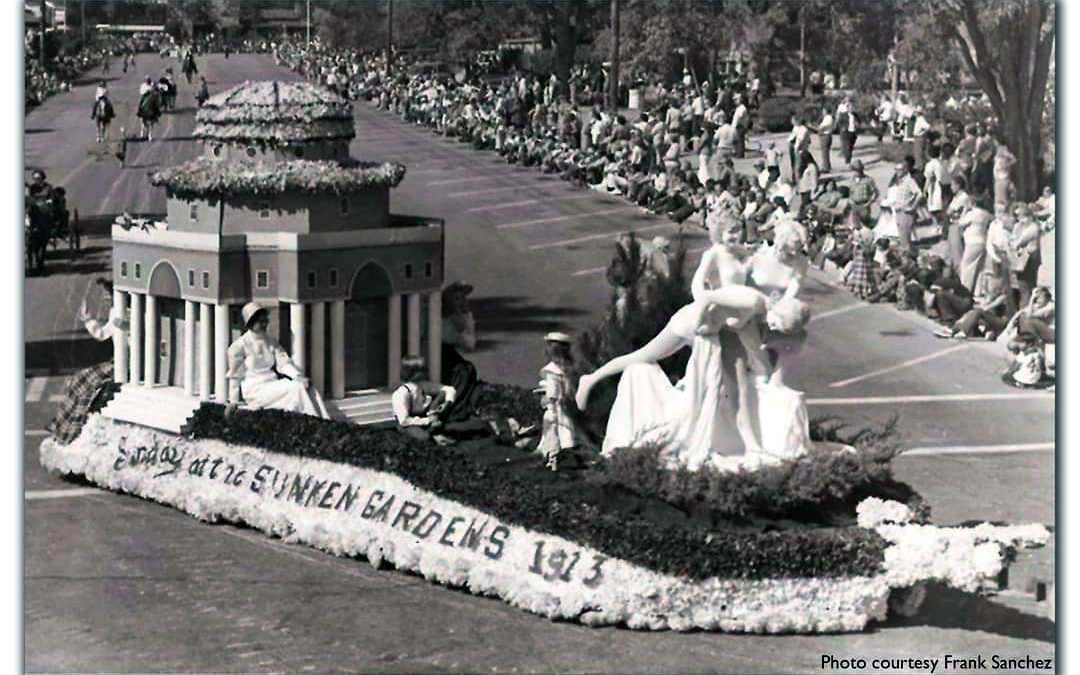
x: 48, y: 222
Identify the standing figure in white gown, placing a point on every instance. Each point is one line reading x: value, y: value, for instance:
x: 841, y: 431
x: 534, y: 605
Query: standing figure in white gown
x: 694, y: 420
x: 701, y: 416
x: 255, y: 362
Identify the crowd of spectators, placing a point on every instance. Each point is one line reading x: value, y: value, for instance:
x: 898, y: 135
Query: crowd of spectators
x: 677, y: 159
x: 69, y: 63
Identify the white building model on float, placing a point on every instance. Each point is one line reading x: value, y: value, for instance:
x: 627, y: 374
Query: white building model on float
x: 276, y: 211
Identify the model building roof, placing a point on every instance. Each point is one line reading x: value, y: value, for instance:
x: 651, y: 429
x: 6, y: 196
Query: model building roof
x: 203, y: 177
x: 275, y: 113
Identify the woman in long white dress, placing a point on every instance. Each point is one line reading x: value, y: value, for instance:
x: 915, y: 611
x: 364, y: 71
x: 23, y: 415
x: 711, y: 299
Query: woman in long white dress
x: 695, y: 421
x: 255, y: 362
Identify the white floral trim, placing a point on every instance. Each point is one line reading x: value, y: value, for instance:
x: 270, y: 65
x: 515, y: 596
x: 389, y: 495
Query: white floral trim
x: 347, y: 510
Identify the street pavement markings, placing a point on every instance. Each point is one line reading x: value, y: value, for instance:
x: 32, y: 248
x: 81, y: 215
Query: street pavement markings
x: 899, y: 366
x: 839, y: 310
x: 35, y: 433
x: 35, y: 389
x: 930, y: 398
x: 559, y: 219
x: 606, y: 235
x: 488, y: 191
x: 469, y: 179
x: 599, y: 270
x: 527, y: 202
x: 978, y: 449
x: 34, y: 495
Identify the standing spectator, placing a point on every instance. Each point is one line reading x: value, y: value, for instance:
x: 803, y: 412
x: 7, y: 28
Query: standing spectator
x: 1024, y: 256
x: 935, y: 188
x: 918, y: 127
x: 982, y: 173
x: 902, y: 199
x: 1003, y: 167
x: 886, y: 114
x: 959, y: 203
x: 973, y: 225
x: 798, y: 143
x: 808, y: 178
x: 848, y: 124
x: 740, y: 119
x: 863, y: 191
x: 998, y: 247
x: 825, y: 130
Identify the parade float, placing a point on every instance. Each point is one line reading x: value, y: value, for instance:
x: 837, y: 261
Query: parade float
x: 822, y: 541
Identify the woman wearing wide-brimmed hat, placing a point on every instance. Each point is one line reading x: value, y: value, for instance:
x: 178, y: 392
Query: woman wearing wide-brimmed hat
x: 261, y: 371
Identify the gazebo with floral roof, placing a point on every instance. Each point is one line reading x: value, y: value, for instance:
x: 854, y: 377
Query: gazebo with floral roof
x: 275, y: 210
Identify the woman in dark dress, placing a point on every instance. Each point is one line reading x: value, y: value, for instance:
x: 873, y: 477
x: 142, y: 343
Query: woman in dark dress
x: 458, y: 335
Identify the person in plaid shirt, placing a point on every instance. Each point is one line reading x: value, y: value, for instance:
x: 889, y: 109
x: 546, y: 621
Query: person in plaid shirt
x: 863, y: 191
x: 82, y: 388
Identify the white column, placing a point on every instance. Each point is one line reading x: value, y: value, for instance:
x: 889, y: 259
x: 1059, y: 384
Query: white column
x: 393, y: 349
x: 206, y: 324
x: 135, y: 342
x: 151, y: 352
x: 221, y: 353
x: 337, y: 349
x: 296, y: 329
x: 318, y: 345
x: 435, y: 335
x: 414, y: 324
x: 189, y: 347
x: 120, y: 351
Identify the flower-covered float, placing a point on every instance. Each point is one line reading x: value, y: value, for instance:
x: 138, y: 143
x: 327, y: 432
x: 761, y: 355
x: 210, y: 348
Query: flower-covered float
x: 819, y: 540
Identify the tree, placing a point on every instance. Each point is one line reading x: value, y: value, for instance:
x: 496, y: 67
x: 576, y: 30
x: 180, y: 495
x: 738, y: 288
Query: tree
x: 1008, y: 48
x: 563, y: 26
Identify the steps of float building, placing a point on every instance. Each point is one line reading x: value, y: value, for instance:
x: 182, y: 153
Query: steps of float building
x: 165, y: 408
x: 366, y: 408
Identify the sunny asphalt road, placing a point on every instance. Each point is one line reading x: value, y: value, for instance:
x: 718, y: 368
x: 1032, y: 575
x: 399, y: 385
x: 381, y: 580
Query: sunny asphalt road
x: 114, y: 583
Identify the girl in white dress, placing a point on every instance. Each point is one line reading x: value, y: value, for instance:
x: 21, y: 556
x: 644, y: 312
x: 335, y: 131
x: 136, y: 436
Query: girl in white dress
x: 559, y: 431
x: 256, y: 360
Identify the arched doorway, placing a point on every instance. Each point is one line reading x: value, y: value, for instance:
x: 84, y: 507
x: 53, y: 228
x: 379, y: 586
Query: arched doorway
x: 367, y: 329
x: 165, y: 287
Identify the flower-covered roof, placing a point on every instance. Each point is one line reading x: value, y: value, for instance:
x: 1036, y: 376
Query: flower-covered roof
x: 275, y: 113
x: 203, y: 177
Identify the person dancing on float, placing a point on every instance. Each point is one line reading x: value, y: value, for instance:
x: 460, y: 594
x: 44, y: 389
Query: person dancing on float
x: 695, y: 325
x: 646, y: 398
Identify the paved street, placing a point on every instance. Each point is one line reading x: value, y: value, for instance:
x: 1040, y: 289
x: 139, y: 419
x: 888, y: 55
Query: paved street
x: 117, y: 584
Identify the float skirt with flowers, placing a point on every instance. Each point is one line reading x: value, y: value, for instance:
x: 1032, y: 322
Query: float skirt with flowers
x: 598, y: 570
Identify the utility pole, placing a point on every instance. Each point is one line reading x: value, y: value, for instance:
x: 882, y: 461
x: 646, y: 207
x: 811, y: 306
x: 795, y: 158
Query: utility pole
x: 802, y: 51
x: 389, y: 34
x: 309, y: 24
x: 41, y: 44
x: 613, y: 74
x: 895, y: 69
x: 82, y: 19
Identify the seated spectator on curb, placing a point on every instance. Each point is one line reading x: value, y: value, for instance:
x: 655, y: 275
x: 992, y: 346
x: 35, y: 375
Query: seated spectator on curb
x: 987, y: 317
x: 1038, y: 316
x: 950, y: 300
x: 1028, y: 369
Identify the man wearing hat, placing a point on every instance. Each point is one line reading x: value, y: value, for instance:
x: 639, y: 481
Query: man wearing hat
x: 863, y: 191
x: 255, y: 362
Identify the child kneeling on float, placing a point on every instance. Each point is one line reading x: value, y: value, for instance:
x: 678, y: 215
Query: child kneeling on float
x: 422, y: 407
